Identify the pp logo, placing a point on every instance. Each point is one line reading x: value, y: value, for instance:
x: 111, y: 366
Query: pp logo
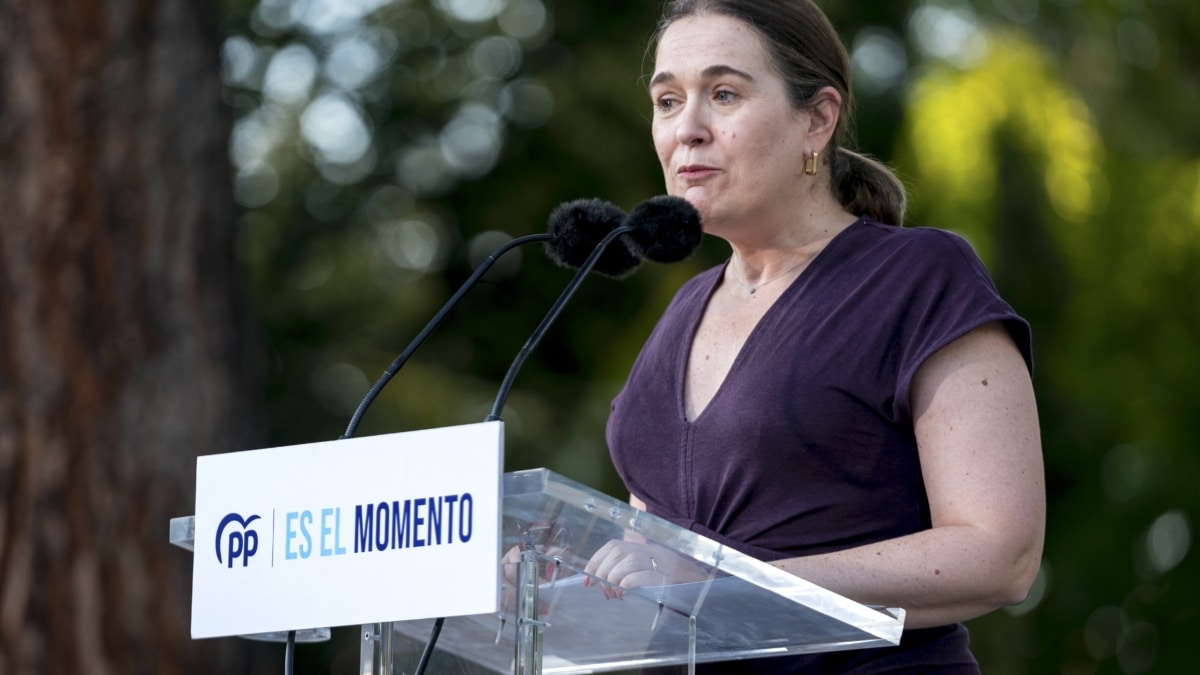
x: 241, y: 543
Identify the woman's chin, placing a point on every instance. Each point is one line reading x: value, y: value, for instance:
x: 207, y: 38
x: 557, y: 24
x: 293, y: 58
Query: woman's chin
x: 698, y: 197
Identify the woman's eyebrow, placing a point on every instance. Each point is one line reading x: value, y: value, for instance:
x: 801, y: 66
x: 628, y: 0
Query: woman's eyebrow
x: 708, y: 73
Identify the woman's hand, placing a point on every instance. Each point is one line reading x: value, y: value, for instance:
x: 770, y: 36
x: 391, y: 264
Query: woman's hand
x: 510, y: 564
x: 622, y: 564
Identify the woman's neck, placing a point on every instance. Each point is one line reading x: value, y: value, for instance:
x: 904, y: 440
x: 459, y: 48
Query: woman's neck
x: 765, y: 258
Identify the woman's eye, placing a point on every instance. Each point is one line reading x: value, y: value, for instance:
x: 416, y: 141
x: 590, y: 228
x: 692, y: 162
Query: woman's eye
x: 665, y: 104
x: 724, y: 95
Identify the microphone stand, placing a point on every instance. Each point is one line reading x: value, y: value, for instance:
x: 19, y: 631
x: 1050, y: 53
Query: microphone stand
x: 506, y: 386
x: 555, y: 310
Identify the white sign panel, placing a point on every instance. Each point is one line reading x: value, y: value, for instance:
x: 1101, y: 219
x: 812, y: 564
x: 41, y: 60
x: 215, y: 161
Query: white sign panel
x: 383, y: 528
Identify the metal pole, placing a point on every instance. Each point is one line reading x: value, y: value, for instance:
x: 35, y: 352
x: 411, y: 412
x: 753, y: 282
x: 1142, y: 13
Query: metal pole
x: 528, y: 658
x: 375, y: 652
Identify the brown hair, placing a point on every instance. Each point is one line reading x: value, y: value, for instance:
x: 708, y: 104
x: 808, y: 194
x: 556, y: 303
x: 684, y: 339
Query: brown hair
x: 808, y: 53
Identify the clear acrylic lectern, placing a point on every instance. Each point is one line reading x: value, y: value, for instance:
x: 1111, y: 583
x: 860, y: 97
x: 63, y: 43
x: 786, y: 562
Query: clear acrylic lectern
x: 731, y: 606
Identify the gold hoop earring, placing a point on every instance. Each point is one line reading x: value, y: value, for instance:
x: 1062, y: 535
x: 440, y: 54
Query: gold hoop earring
x: 810, y: 164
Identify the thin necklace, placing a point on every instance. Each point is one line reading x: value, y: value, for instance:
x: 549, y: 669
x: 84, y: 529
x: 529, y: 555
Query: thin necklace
x: 754, y: 289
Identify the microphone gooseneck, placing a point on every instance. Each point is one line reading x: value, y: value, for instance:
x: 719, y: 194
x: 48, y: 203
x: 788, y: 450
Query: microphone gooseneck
x: 555, y: 310
x: 433, y: 324
x: 574, y: 228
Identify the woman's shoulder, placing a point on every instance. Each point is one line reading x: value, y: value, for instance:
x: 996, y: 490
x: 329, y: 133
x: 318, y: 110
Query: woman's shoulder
x: 915, y: 238
x: 914, y: 248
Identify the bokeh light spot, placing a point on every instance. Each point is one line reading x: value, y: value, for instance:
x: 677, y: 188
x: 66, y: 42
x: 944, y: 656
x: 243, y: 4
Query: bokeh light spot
x: 324, y: 17
x: 524, y: 19
x: 951, y: 34
x: 1037, y: 592
x: 1123, y: 472
x: 471, y: 141
x: 334, y: 128
x: 290, y: 74
x: 1168, y: 540
x: 412, y: 244
x: 239, y: 61
x: 1138, y: 648
x: 527, y: 103
x: 1137, y: 44
x: 358, y: 58
x: 879, y: 60
x: 483, y: 244
x: 422, y: 169
x: 338, y: 387
x: 256, y: 184
x: 471, y: 11
x: 255, y: 136
x: 495, y: 56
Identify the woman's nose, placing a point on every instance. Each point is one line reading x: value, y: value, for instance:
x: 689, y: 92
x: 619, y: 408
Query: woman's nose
x: 693, y: 126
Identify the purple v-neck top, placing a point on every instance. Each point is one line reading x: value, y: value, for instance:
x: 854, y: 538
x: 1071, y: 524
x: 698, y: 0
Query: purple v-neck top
x: 807, y: 446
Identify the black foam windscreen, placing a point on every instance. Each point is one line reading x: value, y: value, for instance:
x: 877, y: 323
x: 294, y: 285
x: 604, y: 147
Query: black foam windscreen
x: 668, y: 229
x: 577, y: 227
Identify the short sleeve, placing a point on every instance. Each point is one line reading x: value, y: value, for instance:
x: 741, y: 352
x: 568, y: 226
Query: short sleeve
x: 950, y: 294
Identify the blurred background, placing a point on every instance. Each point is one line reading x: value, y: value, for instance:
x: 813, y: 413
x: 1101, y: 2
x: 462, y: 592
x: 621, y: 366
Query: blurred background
x: 221, y: 222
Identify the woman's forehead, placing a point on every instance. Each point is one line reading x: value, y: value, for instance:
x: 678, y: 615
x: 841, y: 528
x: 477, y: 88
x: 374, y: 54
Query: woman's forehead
x: 701, y: 42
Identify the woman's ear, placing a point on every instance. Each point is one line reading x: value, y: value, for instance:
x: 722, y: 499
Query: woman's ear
x: 823, y: 116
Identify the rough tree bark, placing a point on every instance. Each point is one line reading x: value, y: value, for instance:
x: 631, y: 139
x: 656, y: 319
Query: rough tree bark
x: 121, y: 344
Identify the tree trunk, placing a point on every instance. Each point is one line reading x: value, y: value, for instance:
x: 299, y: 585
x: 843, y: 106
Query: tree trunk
x: 122, y: 350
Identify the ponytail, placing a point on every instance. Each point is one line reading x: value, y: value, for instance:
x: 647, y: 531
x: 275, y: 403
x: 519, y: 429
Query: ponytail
x: 865, y: 187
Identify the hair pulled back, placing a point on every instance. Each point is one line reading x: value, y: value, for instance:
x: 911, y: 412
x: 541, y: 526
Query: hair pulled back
x: 809, y: 55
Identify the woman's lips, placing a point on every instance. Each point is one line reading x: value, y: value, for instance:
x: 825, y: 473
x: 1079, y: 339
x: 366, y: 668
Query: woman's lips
x: 695, y: 171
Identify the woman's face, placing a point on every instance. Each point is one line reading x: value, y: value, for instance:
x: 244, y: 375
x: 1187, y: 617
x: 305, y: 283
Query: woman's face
x: 726, y: 135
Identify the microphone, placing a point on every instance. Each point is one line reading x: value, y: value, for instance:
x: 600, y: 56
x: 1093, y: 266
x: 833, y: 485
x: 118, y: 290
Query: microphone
x: 573, y: 229
x: 579, y: 226
x: 668, y: 229
x: 664, y: 229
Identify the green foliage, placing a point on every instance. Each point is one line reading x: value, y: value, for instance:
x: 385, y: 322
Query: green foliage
x: 1095, y: 240
x: 1057, y: 136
